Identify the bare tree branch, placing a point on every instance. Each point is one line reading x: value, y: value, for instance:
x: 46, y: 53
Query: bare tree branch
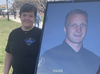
x: 39, y: 1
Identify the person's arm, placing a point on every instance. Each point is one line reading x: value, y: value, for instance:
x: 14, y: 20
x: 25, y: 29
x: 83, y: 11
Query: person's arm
x: 8, y: 60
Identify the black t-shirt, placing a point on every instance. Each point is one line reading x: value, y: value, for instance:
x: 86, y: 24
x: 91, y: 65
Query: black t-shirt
x: 63, y: 59
x: 24, y: 48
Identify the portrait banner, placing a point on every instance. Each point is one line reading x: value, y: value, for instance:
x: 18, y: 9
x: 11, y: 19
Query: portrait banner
x: 70, y: 42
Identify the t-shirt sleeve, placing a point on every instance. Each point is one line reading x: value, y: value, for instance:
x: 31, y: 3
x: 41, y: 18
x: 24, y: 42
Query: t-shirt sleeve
x: 8, y: 44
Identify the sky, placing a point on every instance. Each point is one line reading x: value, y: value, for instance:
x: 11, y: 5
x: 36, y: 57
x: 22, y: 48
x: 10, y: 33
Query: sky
x: 2, y: 1
x: 10, y: 2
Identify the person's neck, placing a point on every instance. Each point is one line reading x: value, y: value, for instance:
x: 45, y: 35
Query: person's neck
x: 27, y: 28
x: 76, y: 46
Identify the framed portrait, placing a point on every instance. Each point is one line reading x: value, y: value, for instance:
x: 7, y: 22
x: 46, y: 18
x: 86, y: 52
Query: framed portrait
x: 64, y: 25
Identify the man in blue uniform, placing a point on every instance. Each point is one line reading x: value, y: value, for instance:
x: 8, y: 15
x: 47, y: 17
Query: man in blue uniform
x: 70, y: 57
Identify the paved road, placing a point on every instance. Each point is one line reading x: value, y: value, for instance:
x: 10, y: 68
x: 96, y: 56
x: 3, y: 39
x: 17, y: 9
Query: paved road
x: 18, y: 20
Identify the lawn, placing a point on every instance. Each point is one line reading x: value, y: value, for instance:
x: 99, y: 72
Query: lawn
x: 42, y: 18
x: 5, y: 28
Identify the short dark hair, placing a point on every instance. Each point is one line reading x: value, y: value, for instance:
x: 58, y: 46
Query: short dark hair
x: 76, y: 11
x: 28, y: 8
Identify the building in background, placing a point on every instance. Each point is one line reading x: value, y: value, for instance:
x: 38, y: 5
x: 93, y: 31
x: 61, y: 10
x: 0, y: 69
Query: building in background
x: 3, y: 7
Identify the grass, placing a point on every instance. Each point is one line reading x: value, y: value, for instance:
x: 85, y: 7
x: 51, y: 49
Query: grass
x: 5, y: 28
x: 42, y: 18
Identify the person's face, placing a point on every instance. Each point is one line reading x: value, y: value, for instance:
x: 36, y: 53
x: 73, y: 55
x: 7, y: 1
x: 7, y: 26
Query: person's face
x: 27, y: 19
x: 75, y: 29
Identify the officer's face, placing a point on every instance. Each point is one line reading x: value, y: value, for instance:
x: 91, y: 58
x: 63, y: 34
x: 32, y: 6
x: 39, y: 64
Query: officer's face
x: 76, y: 27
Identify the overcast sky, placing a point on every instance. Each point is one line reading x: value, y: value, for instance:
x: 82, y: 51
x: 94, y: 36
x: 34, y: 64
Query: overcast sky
x: 10, y: 2
x: 2, y: 1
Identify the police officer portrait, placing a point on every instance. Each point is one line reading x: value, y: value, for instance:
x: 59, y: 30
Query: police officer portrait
x: 71, y: 39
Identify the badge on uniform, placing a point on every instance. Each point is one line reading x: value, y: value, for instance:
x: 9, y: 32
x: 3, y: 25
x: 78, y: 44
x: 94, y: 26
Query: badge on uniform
x: 29, y: 41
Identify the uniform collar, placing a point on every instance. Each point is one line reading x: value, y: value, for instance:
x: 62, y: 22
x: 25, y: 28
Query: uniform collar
x: 69, y: 48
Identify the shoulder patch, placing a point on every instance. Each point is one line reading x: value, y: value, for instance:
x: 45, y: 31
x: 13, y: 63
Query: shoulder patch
x: 41, y: 61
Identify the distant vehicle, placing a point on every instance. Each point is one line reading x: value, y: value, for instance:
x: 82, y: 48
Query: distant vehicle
x: 10, y: 13
x: 5, y: 10
x: 7, y: 13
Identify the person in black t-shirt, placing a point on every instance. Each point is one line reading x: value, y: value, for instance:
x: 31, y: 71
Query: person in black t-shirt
x: 70, y: 57
x: 23, y: 43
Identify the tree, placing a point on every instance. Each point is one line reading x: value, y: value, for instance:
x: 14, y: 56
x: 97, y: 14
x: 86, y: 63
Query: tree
x: 43, y: 3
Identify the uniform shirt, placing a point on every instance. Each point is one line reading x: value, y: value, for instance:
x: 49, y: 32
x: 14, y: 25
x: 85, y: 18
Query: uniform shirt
x: 63, y: 59
x: 24, y: 47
